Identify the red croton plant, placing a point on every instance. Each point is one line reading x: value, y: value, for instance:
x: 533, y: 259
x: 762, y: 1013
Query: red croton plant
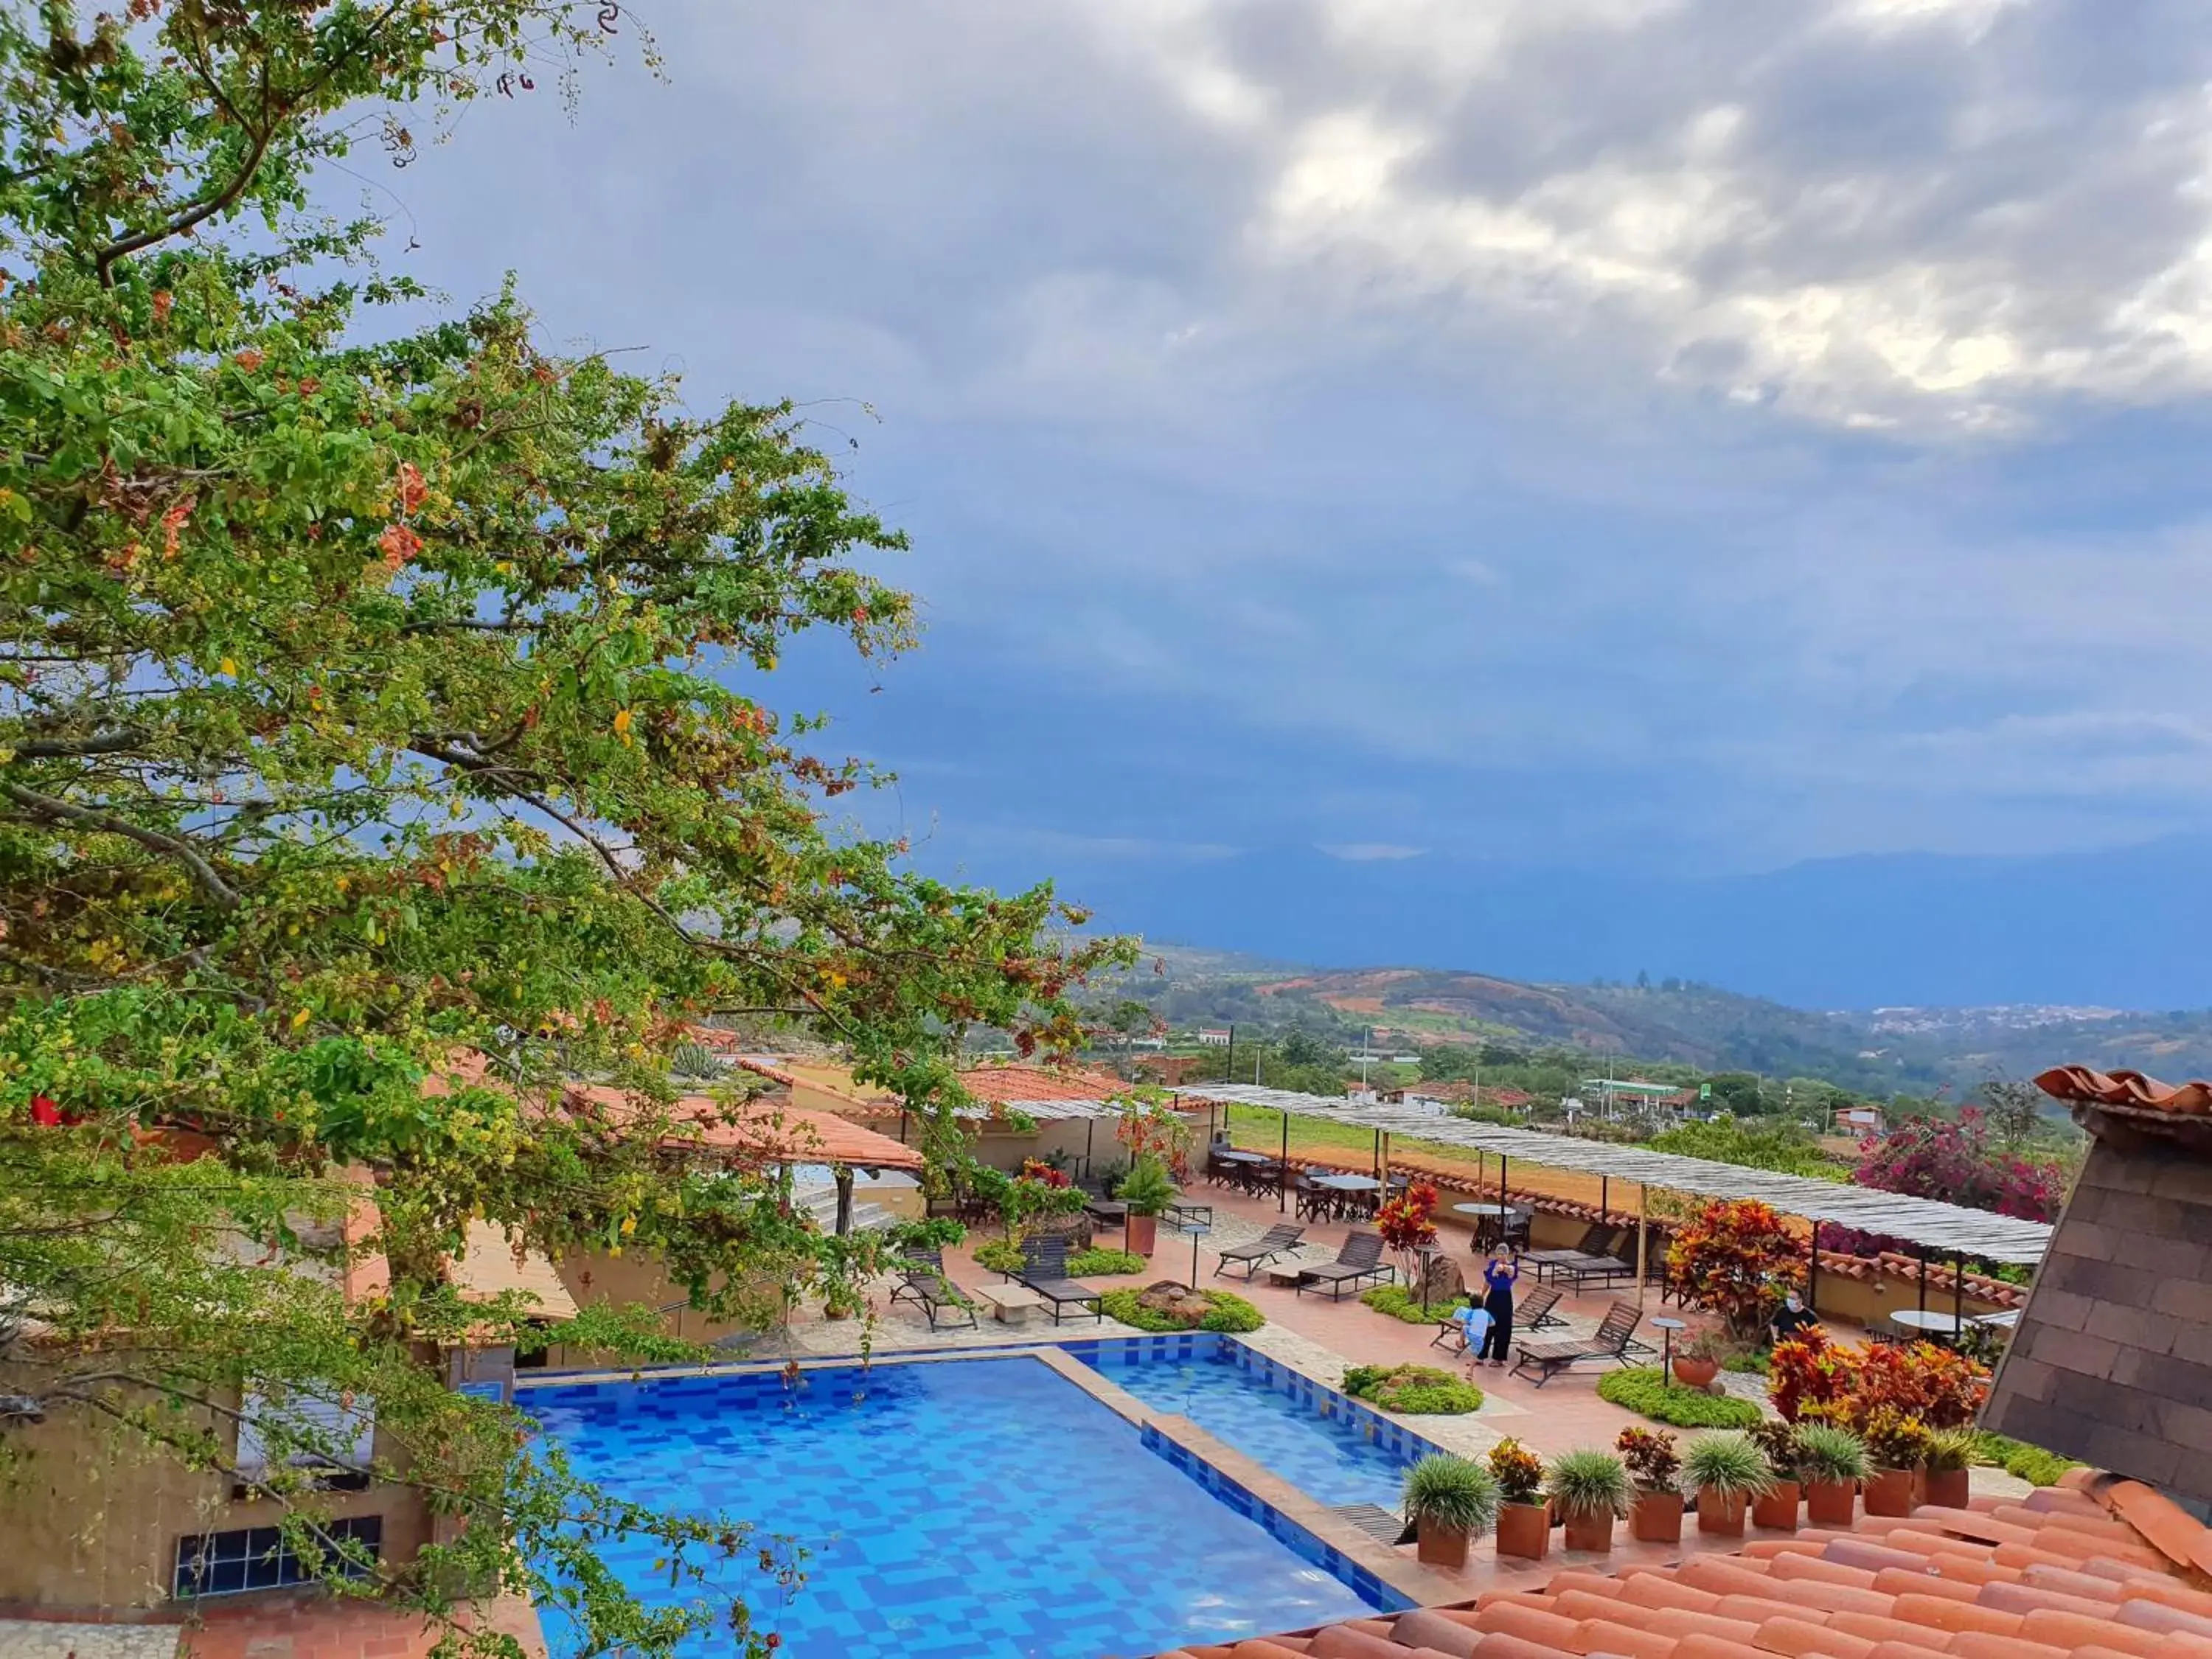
x: 1406, y: 1225
x: 1813, y: 1378
x: 1735, y: 1258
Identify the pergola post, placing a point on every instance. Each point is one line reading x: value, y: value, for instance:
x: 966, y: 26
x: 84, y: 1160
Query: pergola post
x: 1283, y: 1167
x: 1921, y: 1252
x: 1813, y: 1274
x: 1090, y: 1128
x: 1604, y: 1199
x: 1958, y: 1295
x: 1501, y: 1189
x: 1378, y: 1155
x: 844, y: 1199
x: 1643, y: 1243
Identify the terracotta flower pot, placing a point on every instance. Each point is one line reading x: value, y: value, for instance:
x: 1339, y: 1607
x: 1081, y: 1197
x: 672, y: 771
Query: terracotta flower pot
x: 1695, y: 1373
x: 1949, y: 1488
x: 1593, y: 1531
x: 1889, y: 1493
x: 1440, y: 1546
x: 1525, y: 1530
x: 1778, y: 1508
x: 1144, y: 1233
x: 1722, y: 1516
x: 1831, y: 1503
x: 1656, y: 1517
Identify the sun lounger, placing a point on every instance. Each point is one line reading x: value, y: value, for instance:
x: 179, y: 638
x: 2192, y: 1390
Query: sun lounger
x: 1283, y: 1236
x: 1533, y: 1312
x: 1357, y: 1262
x: 1547, y: 1359
x: 1044, y: 1270
x: 1598, y: 1244
x: 925, y: 1285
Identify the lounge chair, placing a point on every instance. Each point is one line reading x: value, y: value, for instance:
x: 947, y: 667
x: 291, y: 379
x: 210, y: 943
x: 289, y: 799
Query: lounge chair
x: 1548, y: 1359
x: 925, y: 1285
x: 1597, y: 1244
x: 1044, y: 1270
x: 1599, y: 1269
x: 1283, y: 1236
x: 1359, y: 1260
x: 1533, y: 1312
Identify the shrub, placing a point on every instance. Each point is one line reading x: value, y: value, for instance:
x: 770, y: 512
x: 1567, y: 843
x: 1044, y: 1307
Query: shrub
x: 1952, y: 1160
x: 1895, y: 1441
x: 1943, y: 1390
x: 1225, y: 1312
x: 1953, y: 1448
x: 1736, y: 1257
x: 1588, y: 1482
x: 2016, y: 1457
x: 1105, y: 1264
x: 1826, y: 1452
x: 1651, y: 1458
x: 1405, y: 1225
x: 1000, y: 1255
x: 1727, y: 1466
x: 1778, y: 1444
x: 1147, y: 1188
x: 1643, y: 1390
x: 1518, y: 1471
x: 1810, y: 1371
x: 1416, y: 1389
x: 1399, y: 1302
x: 1456, y: 1494
x: 1752, y: 1362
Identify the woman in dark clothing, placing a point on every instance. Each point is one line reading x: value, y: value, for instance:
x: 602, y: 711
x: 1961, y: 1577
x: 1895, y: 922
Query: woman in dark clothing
x: 1498, y: 1274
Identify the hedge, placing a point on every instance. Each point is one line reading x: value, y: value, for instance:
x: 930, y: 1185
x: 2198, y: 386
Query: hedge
x: 1104, y: 1264
x: 1643, y: 1390
x: 1399, y: 1302
x: 1230, y: 1313
x: 2033, y: 1464
x: 1412, y: 1388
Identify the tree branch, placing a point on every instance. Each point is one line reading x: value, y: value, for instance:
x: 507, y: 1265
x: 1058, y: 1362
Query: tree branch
x: 105, y: 742
x: 203, y: 873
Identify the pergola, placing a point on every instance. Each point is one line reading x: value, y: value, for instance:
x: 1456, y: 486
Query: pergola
x: 1951, y: 1228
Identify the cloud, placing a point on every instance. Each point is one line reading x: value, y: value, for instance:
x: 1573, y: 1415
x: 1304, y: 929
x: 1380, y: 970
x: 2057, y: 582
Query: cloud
x: 1371, y: 852
x: 1321, y: 419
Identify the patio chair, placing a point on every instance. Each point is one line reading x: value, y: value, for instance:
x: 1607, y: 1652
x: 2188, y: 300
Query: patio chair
x: 1359, y: 1260
x: 925, y: 1285
x: 1610, y: 1342
x: 1282, y: 1236
x: 1533, y: 1312
x: 1100, y: 1206
x: 1595, y: 1245
x: 1311, y: 1202
x: 1044, y: 1270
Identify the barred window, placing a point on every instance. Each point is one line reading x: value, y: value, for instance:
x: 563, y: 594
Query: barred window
x: 260, y: 1558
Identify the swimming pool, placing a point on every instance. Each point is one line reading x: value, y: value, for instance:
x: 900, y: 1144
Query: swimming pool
x: 1271, y: 1414
x: 973, y: 1507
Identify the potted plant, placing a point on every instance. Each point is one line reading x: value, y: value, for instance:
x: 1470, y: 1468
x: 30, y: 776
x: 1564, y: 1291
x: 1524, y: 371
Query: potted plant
x: 1524, y: 1524
x: 1447, y: 1499
x: 1898, y: 1446
x: 1697, y: 1361
x: 1656, y: 1514
x: 1951, y: 1455
x: 1777, y: 1443
x: 1728, y: 1472
x: 1589, y: 1489
x: 1146, y: 1191
x: 1834, y: 1460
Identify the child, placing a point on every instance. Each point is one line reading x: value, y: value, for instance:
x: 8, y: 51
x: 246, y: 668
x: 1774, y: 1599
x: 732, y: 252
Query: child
x: 1473, y: 1331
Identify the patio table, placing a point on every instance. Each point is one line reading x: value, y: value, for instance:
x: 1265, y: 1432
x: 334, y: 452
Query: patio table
x: 1348, y: 1183
x: 1925, y: 1321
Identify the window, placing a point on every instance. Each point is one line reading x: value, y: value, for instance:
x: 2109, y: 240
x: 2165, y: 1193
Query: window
x: 259, y: 1558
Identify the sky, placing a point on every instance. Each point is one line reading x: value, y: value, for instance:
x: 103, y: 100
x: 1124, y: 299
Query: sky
x: 1650, y: 442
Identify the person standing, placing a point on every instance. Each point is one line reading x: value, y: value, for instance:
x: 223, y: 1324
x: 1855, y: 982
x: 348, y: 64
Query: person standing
x: 1499, y: 1275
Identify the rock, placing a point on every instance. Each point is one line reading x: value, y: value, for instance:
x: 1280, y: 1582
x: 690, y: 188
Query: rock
x: 1176, y: 1301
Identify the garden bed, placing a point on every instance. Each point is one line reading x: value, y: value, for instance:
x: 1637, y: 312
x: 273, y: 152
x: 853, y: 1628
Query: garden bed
x: 1167, y: 1306
x: 1412, y: 1389
x: 1399, y: 1302
x: 1642, y: 1389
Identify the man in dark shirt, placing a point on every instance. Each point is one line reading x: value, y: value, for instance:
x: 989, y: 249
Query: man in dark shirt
x: 1794, y: 1318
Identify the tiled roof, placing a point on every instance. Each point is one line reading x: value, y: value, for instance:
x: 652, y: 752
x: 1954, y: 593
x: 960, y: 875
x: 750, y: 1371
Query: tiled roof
x: 2093, y: 1570
x: 995, y: 1084
x: 2078, y: 1085
x: 766, y: 1131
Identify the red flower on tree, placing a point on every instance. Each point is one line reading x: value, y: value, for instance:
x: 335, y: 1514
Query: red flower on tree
x: 1736, y: 1259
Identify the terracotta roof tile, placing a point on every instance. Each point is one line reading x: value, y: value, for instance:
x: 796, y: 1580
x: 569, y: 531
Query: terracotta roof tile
x: 2065, y: 1574
x: 2080, y: 1086
x: 995, y: 1085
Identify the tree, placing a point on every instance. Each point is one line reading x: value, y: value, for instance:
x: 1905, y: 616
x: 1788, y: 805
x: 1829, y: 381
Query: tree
x: 379, y: 707
x: 1735, y: 1257
x: 1741, y: 1092
x: 2016, y: 1108
x: 1952, y: 1159
x: 1301, y: 1048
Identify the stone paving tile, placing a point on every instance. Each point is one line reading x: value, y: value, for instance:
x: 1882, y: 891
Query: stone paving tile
x: 39, y: 1638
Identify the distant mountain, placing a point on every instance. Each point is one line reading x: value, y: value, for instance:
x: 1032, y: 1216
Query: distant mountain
x: 2118, y: 929
x: 1881, y: 1053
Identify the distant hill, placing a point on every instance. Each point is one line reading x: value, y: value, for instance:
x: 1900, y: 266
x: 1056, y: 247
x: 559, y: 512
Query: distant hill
x: 1878, y: 1053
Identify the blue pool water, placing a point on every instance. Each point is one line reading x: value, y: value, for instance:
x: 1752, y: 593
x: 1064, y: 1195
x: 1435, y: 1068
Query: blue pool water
x: 1332, y: 1459
x: 984, y: 1507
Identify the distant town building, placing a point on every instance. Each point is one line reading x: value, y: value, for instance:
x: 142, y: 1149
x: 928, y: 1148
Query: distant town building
x: 1210, y: 1039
